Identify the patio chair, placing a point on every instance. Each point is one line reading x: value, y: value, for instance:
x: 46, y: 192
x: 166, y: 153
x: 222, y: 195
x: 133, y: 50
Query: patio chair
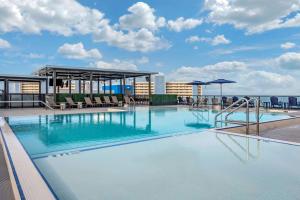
x: 235, y: 99
x: 180, y: 101
x: 251, y: 103
x: 293, y: 103
x: 115, y: 100
x: 275, y: 103
x: 228, y: 102
x: 129, y: 100
x: 50, y: 101
x: 107, y: 101
x: 71, y: 103
x: 88, y: 102
x: 98, y: 101
x: 215, y: 101
x: 189, y: 100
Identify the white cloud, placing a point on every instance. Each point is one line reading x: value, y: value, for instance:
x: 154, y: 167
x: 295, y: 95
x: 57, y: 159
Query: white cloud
x: 35, y: 56
x: 254, y: 16
x: 4, y: 44
x: 249, y: 80
x: 181, y: 24
x: 141, y: 16
x: 289, y: 61
x: 217, y: 40
x: 62, y: 17
x: 77, y: 51
x: 288, y: 45
x: 142, y: 40
x: 69, y: 17
x: 115, y: 64
x: 142, y: 60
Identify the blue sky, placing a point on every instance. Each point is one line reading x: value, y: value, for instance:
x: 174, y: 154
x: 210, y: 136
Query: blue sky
x: 249, y: 41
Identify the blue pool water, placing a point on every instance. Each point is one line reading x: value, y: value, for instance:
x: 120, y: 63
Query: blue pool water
x: 48, y: 134
x: 68, y: 151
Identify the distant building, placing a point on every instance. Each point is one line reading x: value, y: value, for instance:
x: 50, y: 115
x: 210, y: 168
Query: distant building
x: 159, y: 84
x: 182, y: 89
x: 178, y: 88
x: 141, y: 88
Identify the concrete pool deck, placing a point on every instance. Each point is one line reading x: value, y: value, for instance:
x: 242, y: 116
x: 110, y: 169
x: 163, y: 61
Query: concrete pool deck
x: 287, y: 130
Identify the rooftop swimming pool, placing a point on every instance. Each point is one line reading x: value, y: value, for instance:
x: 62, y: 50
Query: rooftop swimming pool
x: 156, y: 153
x: 43, y: 135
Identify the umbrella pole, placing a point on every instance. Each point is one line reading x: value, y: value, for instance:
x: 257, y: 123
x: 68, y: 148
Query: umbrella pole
x: 221, y: 102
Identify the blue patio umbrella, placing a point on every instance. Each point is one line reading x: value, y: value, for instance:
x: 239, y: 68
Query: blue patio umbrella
x: 221, y: 82
x: 198, y: 83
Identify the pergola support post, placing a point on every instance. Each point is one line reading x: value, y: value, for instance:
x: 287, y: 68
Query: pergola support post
x: 134, y: 90
x: 104, y: 85
x: 91, y: 85
x: 54, y: 85
x: 110, y: 87
x: 6, y: 92
x: 98, y: 86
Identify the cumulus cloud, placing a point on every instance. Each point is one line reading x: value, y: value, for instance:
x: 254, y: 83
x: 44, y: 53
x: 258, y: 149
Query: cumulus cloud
x: 254, y: 16
x: 77, y: 51
x: 134, y: 33
x: 142, y: 40
x: 289, y: 61
x: 288, y: 45
x: 217, y: 40
x: 4, y: 44
x: 141, y: 16
x: 249, y: 80
x: 181, y: 24
x: 115, y: 64
x: 62, y: 17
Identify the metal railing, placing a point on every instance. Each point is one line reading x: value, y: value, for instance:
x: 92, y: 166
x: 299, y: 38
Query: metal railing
x: 40, y: 102
x: 241, y: 103
x: 265, y: 100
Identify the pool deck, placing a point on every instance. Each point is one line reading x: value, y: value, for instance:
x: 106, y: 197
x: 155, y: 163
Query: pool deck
x: 286, y: 130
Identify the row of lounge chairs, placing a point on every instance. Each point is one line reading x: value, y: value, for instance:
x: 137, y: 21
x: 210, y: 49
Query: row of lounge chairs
x: 89, y: 103
x: 291, y: 104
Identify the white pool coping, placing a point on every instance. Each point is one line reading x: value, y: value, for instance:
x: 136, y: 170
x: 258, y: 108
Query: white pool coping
x: 33, y: 186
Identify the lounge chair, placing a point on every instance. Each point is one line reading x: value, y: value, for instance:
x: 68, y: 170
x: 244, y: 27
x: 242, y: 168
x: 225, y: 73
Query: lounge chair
x: 115, y: 100
x: 293, y: 103
x: 129, y: 100
x: 180, y: 101
x: 215, y: 101
x: 50, y: 101
x: 275, y: 103
x: 98, y: 101
x: 107, y: 101
x: 189, y: 100
x: 88, y: 102
x: 228, y: 102
x: 71, y: 103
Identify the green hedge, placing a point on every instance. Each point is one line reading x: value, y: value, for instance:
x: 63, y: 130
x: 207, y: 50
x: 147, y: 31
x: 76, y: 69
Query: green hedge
x: 163, y: 99
x: 80, y: 97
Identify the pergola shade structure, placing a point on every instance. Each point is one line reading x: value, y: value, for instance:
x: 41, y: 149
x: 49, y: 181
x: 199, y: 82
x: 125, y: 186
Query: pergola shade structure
x: 6, y: 95
x: 90, y: 74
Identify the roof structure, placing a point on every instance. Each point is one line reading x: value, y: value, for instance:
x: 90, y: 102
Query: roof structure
x: 84, y: 73
x: 11, y: 77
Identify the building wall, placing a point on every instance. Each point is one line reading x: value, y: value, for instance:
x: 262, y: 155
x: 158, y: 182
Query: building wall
x: 29, y: 87
x: 141, y: 88
x: 178, y: 88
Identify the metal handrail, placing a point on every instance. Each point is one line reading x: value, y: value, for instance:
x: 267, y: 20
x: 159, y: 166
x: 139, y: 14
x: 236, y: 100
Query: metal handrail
x: 131, y: 98
x: 26, y: 101
x: 245, y: 101
x: 227, y: 108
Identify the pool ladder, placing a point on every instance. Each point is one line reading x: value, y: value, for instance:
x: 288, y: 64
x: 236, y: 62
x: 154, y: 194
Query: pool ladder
x: 241, y: 103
